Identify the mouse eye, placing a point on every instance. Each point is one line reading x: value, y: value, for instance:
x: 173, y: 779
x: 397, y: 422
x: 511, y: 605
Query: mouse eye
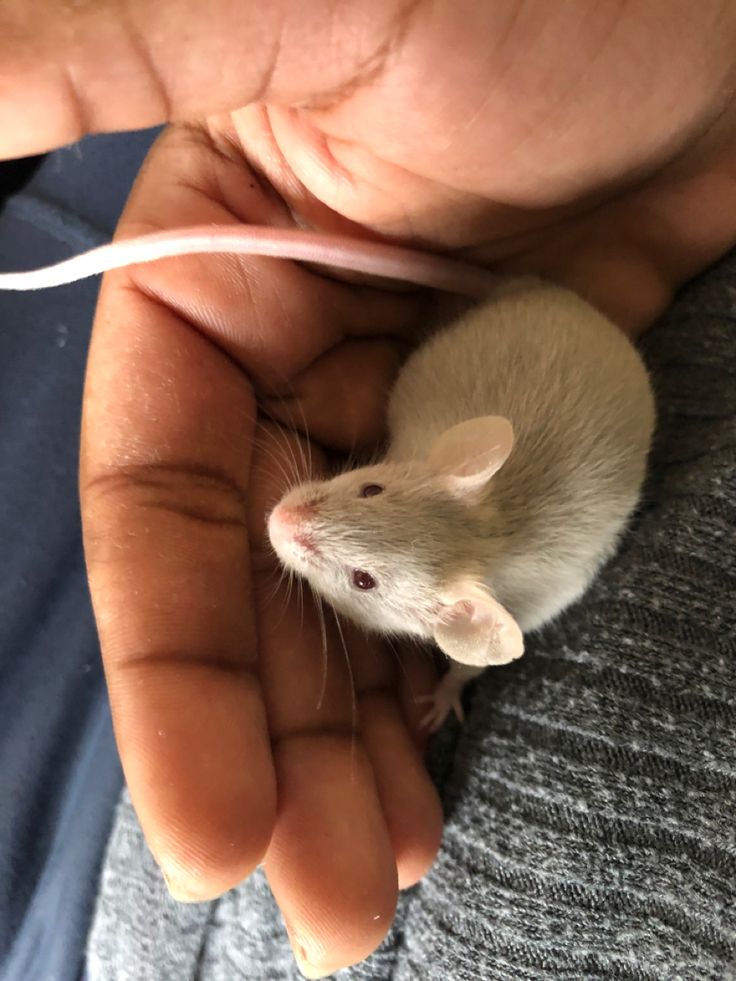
x: 370, y: 490
x: 363, y: 580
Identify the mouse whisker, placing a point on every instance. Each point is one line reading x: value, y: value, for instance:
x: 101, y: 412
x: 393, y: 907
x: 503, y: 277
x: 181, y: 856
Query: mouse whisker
x: 286, y: 597
x: 307, y: 459
x: 292, y: 475
x: 323, y: 625
x: 396, y: 643
x: 391, y: 644
x: 292, y: 446
x: 271, y: 595
x: 323, y: 629
x: 352, y: 459
x: 261, y: 445
x: 285, y: 461
x: 290, y: 426
x: 300, y: 593
x: 301, y: 471
x: 280, y: 575
x: 353, y: 694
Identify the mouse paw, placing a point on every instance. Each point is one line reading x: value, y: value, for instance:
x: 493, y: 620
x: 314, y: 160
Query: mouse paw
x: 444, y: 699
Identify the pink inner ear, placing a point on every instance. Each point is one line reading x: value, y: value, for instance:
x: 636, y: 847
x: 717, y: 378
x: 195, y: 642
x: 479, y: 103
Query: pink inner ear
x: 470, y: 453
x: 475, y: 629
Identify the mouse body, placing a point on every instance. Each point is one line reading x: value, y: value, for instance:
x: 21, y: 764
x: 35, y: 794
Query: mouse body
x: 518, y: 443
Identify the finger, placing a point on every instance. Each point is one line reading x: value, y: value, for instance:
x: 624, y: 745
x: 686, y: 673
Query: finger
x: 330, y: 864
x: 167, y: 426
x: 410, y: 803
x: 68, y: 69
x: 357, y: 814
x: 340, y: 399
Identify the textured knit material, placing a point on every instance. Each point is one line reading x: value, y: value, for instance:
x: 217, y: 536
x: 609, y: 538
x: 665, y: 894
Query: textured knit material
x: 590, y: 795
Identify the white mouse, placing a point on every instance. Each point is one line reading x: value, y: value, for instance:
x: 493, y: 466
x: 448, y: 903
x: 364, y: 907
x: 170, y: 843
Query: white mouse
x: 518, y: 442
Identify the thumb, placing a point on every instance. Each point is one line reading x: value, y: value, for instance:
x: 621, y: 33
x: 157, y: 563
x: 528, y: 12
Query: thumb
x: 71, y: 68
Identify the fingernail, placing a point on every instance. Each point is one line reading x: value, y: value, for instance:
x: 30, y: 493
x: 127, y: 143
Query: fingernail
x: 178, y: 891
x: 302, y: 961
x: 307, y: 969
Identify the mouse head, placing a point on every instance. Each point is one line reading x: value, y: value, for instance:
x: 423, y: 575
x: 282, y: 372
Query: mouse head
x: 401, y: 547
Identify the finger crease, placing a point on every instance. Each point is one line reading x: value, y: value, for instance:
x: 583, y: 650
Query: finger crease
x: 202, y: 515
x: 80, y: 112
x: 318, y: 732
x: 198, y: 492
x: 262, y: 93
x: 141, y: 48
x: 212, y: 660
x: 374, y: 65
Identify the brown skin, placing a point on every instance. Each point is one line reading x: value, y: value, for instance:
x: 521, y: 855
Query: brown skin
x: 593, y: 143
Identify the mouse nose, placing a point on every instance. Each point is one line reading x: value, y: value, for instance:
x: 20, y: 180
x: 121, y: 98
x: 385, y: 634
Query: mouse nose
x: 281, y: 521
x: 285, y: 519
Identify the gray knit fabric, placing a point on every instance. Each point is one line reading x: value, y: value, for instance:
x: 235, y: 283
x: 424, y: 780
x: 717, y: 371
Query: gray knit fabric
x: 591, y: 793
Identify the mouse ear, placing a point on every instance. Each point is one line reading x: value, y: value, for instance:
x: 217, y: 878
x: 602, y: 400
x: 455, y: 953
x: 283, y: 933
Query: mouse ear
x: 473, y: 628
x: 468, y: 455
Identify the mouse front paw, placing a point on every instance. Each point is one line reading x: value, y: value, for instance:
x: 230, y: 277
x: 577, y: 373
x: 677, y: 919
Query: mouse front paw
x: 444, y: 699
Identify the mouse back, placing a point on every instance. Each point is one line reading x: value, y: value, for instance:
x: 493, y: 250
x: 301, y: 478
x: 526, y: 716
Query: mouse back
x: 580, y: 402
x: 518, y: 443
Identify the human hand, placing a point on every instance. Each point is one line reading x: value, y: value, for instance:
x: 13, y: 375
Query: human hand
x: 572, y: 143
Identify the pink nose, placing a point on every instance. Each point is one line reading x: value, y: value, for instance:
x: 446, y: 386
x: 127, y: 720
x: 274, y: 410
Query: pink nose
x: 287, y: 519
x: 282, y: 520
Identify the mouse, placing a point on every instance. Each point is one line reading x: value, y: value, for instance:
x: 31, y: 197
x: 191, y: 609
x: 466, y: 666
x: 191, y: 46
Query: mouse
x: 518, y: 439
